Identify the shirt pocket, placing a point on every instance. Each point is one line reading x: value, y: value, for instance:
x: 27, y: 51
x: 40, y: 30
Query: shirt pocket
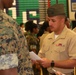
x: 61, y: 52
x: 59, y: 49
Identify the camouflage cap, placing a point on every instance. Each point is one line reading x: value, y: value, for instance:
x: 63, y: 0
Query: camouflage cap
x: 57, y: 9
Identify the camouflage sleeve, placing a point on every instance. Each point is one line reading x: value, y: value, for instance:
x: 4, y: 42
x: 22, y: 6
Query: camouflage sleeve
x: 32, y: 43
x: 12, y: 41
x: 8, y: 61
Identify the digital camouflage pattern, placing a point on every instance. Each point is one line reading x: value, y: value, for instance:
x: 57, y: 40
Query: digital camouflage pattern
x: 12, y: 41
x: 8, y: 61
x: 33, y: 45
x: 33, y: 42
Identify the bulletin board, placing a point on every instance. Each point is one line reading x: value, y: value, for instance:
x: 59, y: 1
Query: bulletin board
x: 73, y: 5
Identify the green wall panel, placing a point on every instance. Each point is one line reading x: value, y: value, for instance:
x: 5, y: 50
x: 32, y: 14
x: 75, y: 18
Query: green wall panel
x: 26, y: 6
x: 53, y: 2
x: 29, y: 10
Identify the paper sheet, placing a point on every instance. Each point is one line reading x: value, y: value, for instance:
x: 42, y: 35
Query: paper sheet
x: 58, y: 71
x: 34, y: 56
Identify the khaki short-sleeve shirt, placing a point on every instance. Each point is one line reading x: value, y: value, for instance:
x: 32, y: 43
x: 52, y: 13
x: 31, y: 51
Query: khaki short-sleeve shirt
x: 61, y: 48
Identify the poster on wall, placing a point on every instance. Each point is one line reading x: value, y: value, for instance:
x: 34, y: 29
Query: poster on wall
x: 72, y: 9
x: 73, y: 5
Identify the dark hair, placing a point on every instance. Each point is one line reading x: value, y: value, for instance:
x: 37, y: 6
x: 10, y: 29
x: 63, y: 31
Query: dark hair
x: 28, y: 25
x: 33, y: 25
x: 41, y: 31
x: 43, y: 28
x: 21, y: 24
x: 45, y: 25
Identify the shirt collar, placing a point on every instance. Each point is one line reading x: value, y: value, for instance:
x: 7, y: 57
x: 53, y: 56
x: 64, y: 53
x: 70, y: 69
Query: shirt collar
x: 62, y: 35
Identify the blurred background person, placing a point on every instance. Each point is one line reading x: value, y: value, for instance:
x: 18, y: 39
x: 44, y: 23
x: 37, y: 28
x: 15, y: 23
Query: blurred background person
x: 31, y: 37
x: 33, y: 43
x: 27, y: 27
x: 46, y: 30
x: 22, y: 26
x: 67, y: 22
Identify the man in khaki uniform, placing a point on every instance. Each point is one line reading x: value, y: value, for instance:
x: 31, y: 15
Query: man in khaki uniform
x: 59, y: 47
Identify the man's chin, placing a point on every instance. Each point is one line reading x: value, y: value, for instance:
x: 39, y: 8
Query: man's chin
x: 52, y: 29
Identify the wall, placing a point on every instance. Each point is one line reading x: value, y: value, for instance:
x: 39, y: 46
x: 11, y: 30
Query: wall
x: 24, y: 10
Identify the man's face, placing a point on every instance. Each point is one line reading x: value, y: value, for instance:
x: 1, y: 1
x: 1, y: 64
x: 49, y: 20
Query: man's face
x: 56, y: 23
x: 7, y: 3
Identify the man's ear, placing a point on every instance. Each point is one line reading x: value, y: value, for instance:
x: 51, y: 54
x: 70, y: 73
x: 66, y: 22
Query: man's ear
x: 63, y: 20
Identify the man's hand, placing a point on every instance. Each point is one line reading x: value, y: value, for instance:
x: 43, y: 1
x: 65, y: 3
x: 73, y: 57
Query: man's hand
x: 44, y: 62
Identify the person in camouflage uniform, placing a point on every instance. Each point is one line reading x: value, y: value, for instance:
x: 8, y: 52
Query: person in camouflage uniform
x: 27, y: 27
x: 14, y: 54
x: 32, y: 40
x: 33, y: 44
